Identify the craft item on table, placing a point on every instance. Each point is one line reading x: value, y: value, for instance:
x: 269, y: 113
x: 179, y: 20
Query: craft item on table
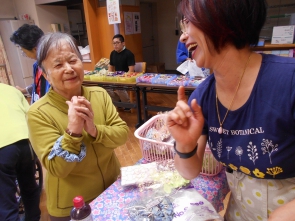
x: 138, y: 174
x: 146, y: 78
x: 195, y: 81
x: 98, y: 75
x: 188, y: 204
x: 117, y: 73
x: 163, y: 78
x: 168, y: 177
x: 157, y: 175
x: 129, y: 77
x: 152, y: 209
x: 103, y: 72
x: 102, y: 63
x: 181, y: 80
x: 87, y: 75
x: 113, y: 76
x: 155, y: 203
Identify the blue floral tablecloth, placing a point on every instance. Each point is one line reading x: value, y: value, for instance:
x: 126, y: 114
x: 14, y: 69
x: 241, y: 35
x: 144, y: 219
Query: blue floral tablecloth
x: 111, y: 204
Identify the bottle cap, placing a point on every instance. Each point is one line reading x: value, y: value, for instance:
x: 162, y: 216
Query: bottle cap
x: 78, y: 201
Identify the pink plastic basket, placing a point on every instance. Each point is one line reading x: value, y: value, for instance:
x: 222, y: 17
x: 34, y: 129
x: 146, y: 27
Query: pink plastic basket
x: 153, y: 150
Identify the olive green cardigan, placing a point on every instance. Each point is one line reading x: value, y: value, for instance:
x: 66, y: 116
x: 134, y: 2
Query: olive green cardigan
x: 48, y: 120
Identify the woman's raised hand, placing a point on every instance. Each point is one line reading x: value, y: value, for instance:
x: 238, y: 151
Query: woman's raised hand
x: 185, y: 123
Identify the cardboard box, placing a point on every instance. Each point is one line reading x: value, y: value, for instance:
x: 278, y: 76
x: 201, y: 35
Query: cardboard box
x: 283, y: 34
x: 155, y: 68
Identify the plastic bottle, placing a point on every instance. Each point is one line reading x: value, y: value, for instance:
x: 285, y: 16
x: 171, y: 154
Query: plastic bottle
x: 81, y: 210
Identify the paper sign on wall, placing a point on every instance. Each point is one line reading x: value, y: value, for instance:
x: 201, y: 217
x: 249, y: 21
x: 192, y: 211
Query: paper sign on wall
x: 128, y: 20
x: 132, y: 23
x: 113, y: 11
x: 136, y: 22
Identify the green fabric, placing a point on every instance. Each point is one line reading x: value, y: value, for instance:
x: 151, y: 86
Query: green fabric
x: 13, y: 108
x: 48, y: 120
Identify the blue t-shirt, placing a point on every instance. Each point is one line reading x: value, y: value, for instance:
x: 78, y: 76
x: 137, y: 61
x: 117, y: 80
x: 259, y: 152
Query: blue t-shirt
x: 181, y: 52
x: 258, y: 139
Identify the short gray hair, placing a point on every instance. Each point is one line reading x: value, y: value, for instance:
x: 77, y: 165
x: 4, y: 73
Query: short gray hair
x: 54, y: 40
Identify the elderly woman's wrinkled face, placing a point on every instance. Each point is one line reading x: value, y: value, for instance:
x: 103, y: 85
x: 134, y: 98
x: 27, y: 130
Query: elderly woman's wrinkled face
x: 64, y: 69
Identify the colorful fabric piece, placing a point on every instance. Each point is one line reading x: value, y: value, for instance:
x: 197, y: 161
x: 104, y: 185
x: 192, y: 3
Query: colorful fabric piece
x: 111, y: 204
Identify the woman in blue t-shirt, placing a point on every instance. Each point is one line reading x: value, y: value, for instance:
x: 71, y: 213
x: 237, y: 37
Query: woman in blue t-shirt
x: 245, y: 110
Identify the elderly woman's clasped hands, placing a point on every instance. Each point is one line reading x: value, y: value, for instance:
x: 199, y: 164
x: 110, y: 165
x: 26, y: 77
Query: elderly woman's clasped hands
x: 80, y: 115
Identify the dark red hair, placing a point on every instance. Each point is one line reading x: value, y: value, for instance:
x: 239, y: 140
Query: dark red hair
x: 236, y: 22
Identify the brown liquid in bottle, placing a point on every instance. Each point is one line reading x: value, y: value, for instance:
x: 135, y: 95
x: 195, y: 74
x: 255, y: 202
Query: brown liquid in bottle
x: 81, y: 210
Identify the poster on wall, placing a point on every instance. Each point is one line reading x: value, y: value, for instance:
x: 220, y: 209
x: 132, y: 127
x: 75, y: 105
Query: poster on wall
x: 136, y: 23
x: 113, y: 12
x: 128, y: 20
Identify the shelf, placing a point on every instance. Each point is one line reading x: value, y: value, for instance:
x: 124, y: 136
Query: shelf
x: 270, y: 47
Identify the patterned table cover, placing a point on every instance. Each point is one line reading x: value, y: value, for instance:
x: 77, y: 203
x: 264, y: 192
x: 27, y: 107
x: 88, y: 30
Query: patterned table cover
x: 110, y: 205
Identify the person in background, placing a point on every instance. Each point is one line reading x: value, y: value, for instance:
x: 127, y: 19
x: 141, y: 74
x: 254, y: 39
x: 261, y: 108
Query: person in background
x: 26, y: 39
x: 121, y: 59
x: 245, y: 110
x: 17, y: 159
x: 73, y: 129
x: 182, y: 54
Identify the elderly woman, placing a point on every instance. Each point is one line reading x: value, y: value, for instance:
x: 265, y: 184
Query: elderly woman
x: 73, y: 129
x: 245, y: 110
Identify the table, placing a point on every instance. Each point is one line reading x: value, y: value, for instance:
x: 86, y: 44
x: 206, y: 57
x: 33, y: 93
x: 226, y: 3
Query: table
x: 142, y: 88
x: 121, y: 86
x: 110, y: 205
x: 158, y: 88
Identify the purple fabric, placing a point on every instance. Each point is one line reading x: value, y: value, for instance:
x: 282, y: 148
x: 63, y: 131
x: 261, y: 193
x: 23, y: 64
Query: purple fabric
x: 110, y: 205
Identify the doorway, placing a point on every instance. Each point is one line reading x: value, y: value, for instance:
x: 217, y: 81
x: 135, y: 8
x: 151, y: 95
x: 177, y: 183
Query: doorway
x: 149, y: 34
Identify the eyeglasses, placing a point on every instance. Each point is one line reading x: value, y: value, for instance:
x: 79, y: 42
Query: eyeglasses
x: 183, y: 24
x: 21, y: 51
x: 117, y: 42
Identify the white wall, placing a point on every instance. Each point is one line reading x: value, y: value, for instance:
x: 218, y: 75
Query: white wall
x: 26, y: 7
x: 7, y: 10
x: 43, y: 15
x: 48, y: 14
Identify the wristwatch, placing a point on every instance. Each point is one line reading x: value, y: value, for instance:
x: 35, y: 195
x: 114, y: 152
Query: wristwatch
x: 185, y: 155
x: 72, y: 134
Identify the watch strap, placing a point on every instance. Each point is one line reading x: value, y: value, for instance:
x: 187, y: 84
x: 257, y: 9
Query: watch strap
x: 185, y: 155
x: 72, y: 134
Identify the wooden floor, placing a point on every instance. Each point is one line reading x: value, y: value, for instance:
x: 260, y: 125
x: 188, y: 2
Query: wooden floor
x: 129, y: 153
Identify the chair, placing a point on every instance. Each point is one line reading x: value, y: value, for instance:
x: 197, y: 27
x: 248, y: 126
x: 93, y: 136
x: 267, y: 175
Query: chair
x: 140, y: 67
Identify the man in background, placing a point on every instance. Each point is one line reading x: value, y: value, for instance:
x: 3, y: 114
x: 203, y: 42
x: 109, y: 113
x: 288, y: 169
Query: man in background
x: 121, y: 59
x: 26, y: 39
x: 17, y: 159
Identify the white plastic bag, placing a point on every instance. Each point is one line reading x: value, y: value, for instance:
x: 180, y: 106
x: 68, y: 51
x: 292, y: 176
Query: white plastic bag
x: 189, y: 205
x: 190, y: 66
x: 194, y: 70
